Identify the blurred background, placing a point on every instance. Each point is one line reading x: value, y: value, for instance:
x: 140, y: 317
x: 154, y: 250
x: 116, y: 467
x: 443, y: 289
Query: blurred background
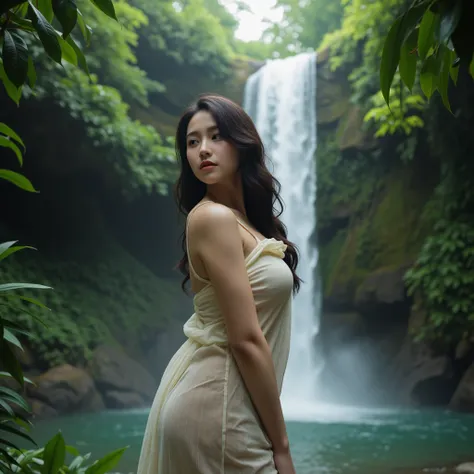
x: 379, y: 200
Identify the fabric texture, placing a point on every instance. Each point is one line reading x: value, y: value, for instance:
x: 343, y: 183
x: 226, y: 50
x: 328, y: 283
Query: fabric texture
x: 202, y: 420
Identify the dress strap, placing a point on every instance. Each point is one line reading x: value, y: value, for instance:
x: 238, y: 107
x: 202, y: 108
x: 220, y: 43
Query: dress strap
x: 248, y: 230
x: 191, y: 267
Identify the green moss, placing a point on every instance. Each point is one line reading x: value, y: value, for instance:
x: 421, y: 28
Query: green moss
x: 101, y: 294
x: 385, y: 225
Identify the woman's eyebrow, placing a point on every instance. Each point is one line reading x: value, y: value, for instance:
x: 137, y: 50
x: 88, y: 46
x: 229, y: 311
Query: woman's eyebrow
x: 210, y: 129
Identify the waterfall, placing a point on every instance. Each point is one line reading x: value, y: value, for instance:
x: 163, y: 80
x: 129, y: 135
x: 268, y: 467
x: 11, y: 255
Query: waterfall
x: 281, y: 99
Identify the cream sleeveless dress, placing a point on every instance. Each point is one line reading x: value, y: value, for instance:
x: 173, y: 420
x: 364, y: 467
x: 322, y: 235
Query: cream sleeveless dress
x: 202, y: 420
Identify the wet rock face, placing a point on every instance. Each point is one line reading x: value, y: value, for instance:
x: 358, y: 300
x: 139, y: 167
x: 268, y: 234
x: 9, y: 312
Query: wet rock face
x: 463, y: 398
x: 120, y: 379
x: 64, y: 389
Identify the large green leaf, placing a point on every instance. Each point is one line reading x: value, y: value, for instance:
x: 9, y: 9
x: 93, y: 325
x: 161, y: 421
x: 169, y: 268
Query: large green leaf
x: 408, y: 60
x: 68, y: 53
x: 46, y: 8
x: 443, y: 82
x: 429, y: 76
x: 79, y: 55
x: 107, y: 463
x: 18, y: 180
x: 66, y: 13
x: 106, y: 6
x: 400, y: 30
x: 47, y: 34
x: 85, y: 29
x: 7, y: 143
x: 15, y: 57
x: 13, y: 92
x: 54, y: 455
x: 426, y: 35
x: 6, y: 130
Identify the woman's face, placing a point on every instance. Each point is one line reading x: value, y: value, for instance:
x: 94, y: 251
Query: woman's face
x: 212, y: 159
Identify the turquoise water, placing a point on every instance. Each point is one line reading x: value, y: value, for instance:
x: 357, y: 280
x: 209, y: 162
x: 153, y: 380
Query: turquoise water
x: 346, y: 442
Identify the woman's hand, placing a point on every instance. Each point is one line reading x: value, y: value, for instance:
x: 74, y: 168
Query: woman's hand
x: 284, y: 463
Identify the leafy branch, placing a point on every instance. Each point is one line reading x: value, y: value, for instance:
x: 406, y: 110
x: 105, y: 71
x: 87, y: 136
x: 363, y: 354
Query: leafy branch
x: 434, y: 37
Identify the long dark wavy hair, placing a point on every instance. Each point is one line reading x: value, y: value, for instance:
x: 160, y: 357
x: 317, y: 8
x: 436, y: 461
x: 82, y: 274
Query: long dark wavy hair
x: 263, y: 204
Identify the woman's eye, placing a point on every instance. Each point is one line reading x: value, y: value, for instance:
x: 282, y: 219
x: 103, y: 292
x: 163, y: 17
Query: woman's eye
x: 216, y: 136
x: 192, y: 142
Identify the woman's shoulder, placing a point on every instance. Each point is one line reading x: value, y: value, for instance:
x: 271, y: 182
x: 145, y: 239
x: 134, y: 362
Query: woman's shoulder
x: 208, y: 216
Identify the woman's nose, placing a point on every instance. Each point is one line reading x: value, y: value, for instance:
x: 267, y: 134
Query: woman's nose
x: 204, y: 151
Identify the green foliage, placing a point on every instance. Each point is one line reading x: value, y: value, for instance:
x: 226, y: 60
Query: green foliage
x: 101, y: 296
x: 190, y: 32
x: 444, y: 276
x: 136, y: 152
x: 52, y: 459
x: 303, y: 25
x: 120, y: 69
x: 9, y: 139
x: 439, y: 35
x: 403, y: 114
x: 11, y: 330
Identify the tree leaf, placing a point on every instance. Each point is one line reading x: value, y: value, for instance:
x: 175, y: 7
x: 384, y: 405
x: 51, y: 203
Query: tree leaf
x: 443, y: 82
x: 85, y: 29
x: 13, y: 92
x: 7, y: 143
x: 54, y: 455
x: 449, y: 20
x: 408, y: 60
x: 397, y: 34
x: 46, y: 33
x: 471, y: 67
x: 18, y: 180
x: 11, y: 364
x: 66, y: 13
x: 106, y: 463
x: 6, y: 130
x: 31, y: 72
x: 429, y: 76
x: 68, y: 53
x: 45, y: 7
x: 426, y: 35
x: 81, y: 60
x: 106, y: 6
x: 15, y: 57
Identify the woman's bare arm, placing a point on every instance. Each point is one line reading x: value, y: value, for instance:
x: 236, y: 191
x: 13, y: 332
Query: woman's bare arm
x: 216, y: 241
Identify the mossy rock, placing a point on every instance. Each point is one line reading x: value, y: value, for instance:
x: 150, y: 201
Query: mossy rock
x: 388, y: 235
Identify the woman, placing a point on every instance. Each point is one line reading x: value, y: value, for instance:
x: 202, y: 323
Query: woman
x: 217, y: 409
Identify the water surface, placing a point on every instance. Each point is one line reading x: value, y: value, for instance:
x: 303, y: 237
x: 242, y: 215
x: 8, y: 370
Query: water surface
x: 337, y: 441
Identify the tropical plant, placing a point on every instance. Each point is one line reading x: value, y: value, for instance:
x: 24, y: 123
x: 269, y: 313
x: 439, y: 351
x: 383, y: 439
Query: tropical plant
x: 433, y: 37
x: 52, y: 459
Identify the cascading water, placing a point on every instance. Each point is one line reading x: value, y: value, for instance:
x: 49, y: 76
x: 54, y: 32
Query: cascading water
x: 281, y: 99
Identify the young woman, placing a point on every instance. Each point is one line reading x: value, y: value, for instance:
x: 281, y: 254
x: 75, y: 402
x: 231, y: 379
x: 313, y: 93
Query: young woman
x: 217, y: 409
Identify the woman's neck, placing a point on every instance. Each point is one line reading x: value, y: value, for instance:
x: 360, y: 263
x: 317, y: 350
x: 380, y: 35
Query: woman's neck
x: 231, y: 196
